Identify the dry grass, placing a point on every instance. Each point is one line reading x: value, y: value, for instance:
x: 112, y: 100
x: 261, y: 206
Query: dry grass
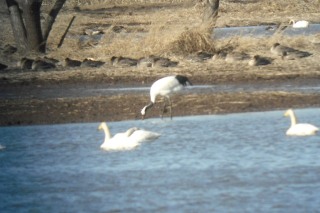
x: 171, y: 27
x: 235, y: 13
x: 192, y: 41
x: 119, y: 2
x: 171, y: 30
x: 144, y: 33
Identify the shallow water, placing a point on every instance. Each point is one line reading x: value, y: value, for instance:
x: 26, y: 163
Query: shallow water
x: 264, y: 31
x: 221, y: 163
x: 302, y: 86
x: 226, y: 32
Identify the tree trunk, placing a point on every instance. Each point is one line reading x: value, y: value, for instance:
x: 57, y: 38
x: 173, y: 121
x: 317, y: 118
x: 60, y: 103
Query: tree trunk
x: 18, y: 28
x: 210, y: 14
x: 27, y: 30
x: 47, y: 26
x: 31, y: 16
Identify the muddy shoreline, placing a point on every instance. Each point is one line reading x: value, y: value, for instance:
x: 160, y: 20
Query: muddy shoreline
x: 34, y: 103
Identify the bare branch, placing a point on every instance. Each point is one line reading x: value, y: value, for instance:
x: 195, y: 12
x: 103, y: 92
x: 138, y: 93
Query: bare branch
x: 65, y: 33
x: 47, y: 26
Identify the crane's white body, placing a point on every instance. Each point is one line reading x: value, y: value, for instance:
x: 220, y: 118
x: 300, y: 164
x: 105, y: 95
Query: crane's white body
x: 165, y: 87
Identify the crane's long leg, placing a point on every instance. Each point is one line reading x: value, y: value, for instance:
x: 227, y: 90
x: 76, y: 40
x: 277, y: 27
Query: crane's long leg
x: 164, y: 109
x: 170, y: 105
x: 167, y: 101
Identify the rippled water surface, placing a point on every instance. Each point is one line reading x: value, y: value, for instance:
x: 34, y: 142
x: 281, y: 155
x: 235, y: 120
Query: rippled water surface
x: 223, y: 163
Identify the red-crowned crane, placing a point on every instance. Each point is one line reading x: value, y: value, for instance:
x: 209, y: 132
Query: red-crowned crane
x: 165, y: 87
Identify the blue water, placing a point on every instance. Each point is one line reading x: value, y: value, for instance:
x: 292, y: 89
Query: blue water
x: 221, y: 163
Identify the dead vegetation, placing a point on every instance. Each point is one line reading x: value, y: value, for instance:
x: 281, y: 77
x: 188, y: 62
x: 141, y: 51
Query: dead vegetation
x: 190, y: 42
x: 169, y: 28
x: 172, y: 28
x: 154, y: 27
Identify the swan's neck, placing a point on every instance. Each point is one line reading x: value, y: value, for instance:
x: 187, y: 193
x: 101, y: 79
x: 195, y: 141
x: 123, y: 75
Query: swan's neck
x: 293, y: 118
x: 292, y: 22
x: 130, y: 131
x: 106, y: 133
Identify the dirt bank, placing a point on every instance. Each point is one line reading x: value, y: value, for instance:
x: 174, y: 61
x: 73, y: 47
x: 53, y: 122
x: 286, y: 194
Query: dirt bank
x: 40, y: 107
x: 62, y: 96
x: 115, y: 108
x: 140, y: 30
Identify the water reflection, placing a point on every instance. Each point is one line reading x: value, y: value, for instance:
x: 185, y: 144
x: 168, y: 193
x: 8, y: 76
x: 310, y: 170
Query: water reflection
x: 222, y: 163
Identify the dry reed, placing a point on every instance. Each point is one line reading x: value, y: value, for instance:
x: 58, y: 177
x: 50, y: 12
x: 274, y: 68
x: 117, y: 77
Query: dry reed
x: 192, y: 41
x: 173, y: 30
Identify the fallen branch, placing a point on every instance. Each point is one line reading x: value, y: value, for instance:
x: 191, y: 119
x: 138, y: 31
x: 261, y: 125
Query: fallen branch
x: 65, y: 33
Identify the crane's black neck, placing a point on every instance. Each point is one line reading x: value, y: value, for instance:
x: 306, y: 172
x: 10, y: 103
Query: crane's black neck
x: 183, y: 80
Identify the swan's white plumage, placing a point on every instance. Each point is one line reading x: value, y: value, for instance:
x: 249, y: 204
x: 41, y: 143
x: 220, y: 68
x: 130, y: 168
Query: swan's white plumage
x: 126, y: 140
x: 302, y: 129
x: 119, y: 141
x: 141, y: 135
x: 299, y: 129
x: 299, y: 24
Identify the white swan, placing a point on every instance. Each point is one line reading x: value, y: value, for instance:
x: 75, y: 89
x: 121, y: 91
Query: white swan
x: 119, y: 141
x: 299, y: 129
x: 299, y: 24
x: 126, y: 140
x: 141, y: 135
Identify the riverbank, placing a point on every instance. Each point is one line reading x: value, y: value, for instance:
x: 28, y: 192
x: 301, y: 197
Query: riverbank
x: 64, y: 102
x: 62, y: 95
